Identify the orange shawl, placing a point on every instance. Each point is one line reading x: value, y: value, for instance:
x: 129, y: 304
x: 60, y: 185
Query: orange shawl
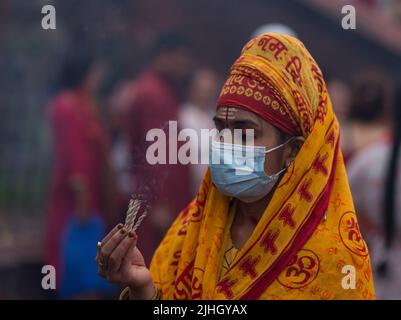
x: 309, y: 230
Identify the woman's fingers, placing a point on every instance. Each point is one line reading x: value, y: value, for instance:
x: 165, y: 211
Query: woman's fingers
x: 107, y: 238
x: 134, y: 256
x: 109, y: 247
x: 120, y: 252
x: 101, y: 272
x: 112, y: 233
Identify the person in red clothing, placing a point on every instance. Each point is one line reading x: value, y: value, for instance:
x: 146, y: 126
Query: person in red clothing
x: 155, y: 101
x: 80, y: 149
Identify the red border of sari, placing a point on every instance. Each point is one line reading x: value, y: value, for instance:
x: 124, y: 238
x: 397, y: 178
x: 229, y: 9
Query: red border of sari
x: 267, y: 278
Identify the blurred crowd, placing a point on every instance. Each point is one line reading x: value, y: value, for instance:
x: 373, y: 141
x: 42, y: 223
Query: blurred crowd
x: 390, y: 8
x: 369, y: 113
x: 100, y: 164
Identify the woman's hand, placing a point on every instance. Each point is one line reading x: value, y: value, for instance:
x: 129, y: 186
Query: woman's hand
x: 120, y: 261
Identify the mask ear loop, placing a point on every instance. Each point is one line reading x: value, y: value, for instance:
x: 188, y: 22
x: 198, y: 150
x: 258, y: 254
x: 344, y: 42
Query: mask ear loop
x: 279, y: 146
x: 284, y: 169
x: 281, y: 171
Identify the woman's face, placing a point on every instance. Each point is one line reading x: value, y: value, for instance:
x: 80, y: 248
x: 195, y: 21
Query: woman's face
x: 264, y: 134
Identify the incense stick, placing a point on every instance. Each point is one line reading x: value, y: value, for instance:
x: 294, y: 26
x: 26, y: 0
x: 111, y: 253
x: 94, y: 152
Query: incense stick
x: 134, y: 206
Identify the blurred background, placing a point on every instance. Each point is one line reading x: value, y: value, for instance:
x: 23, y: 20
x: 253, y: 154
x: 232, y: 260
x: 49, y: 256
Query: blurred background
x: 76, y: 103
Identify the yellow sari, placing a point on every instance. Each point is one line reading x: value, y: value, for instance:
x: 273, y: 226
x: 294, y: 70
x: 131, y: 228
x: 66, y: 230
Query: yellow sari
x: 308, y: 236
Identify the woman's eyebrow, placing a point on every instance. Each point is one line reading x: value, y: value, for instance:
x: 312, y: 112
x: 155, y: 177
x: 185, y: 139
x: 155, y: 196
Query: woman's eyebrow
x: 235, y: 123
x: 244, y: 123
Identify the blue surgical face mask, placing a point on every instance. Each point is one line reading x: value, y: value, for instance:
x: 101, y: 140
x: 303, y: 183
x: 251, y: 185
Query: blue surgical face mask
x: 239, y: 171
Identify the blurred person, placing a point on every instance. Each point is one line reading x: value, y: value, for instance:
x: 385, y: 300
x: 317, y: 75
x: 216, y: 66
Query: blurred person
x: 156, y: 92
x: 120, y: 100
x: 369, y: 113
x: 197, y: 113
x: 340, y: 95
x: 375, y: 180
x: 341, y: 98
x: 77, y: 212
x: 286, y: 230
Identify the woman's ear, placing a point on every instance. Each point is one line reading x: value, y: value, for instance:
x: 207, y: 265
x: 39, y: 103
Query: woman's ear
x: 294, y: 146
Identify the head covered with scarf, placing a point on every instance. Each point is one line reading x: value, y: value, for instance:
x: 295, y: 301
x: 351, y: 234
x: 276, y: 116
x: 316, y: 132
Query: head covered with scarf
x: 308, y: 234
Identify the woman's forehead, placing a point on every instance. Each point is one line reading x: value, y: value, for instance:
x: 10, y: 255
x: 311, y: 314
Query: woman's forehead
x: 236, y: 113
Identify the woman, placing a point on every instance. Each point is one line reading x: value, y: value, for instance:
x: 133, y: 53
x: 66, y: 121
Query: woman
x: 375, y: 181
x: 369, y: 117
x: 286, y: 231
x: 76, y: 209
x: 196, y: 113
